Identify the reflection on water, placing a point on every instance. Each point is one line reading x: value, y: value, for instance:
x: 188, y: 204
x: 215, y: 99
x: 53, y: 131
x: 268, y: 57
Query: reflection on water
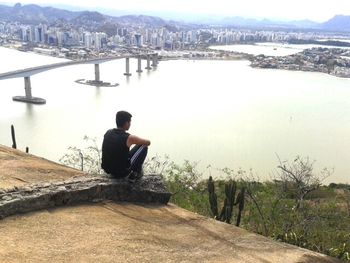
x: 222, y: 113
x: 98, y: 92
x: 29, y: 108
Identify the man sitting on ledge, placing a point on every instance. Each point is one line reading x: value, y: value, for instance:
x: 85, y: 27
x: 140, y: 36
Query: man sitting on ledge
x: 117, y: 158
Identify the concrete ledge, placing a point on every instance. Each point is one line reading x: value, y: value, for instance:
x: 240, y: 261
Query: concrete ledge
x: 149, y: 189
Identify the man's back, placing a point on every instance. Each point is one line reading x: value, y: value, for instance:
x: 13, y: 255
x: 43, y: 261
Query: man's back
x: 115, y: 152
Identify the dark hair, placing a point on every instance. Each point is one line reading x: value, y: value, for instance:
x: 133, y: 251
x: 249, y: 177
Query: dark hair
x: 122, y: 117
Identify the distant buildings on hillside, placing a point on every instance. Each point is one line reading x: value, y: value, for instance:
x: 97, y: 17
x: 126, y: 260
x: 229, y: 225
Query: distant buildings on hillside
x: 155, y: 38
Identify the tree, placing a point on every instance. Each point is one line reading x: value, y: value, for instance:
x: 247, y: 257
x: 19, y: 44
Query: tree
x: 300, y: 178
x: 87, y: 159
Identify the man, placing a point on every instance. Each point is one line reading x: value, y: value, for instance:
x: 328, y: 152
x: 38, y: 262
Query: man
x: 117, y: 158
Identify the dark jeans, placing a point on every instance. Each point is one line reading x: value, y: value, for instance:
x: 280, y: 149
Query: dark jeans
x: 137, y: 156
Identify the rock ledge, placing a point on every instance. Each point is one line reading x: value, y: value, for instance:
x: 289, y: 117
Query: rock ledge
x: 90, y: 188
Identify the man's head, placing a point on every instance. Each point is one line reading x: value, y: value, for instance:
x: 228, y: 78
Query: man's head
x: 123, y: 119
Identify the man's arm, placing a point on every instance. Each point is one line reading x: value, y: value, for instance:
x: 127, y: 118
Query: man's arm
x: 132, y: 139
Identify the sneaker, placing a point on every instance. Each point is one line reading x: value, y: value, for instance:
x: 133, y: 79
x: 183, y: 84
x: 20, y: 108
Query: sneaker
x: 134, y: 176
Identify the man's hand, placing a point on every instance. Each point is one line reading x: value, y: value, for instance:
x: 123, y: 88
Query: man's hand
x: 132, y: 139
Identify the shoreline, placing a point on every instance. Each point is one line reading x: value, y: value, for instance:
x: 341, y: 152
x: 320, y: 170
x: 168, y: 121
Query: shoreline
x: 331, y: 61
x: 335, y: 62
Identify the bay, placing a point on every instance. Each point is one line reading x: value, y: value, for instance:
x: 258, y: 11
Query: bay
x: 218, y: 113
x: 271, y: 48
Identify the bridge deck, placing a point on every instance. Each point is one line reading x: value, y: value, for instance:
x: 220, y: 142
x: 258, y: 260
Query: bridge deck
x: 21, y: 73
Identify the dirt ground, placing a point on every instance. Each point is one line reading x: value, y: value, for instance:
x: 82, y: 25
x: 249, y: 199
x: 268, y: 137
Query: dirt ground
x: 124, y: 232
x: 19, y: 169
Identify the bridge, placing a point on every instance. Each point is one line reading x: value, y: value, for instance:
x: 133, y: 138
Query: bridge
x: 28, y: 72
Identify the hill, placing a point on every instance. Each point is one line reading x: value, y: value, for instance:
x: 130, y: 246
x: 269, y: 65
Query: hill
x: 337, y: 23
x: 35, y: 14
x: 267, y: 23
x: 115, y: 231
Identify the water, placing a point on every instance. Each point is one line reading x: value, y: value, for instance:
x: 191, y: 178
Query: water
x: 271, y: 49
x: 268, y: 49
x: 219, y: 113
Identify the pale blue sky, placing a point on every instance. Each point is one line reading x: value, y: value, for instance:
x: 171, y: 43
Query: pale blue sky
x: 317, y: 10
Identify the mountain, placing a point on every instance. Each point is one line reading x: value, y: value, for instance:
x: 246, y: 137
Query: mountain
x: 87, y: 17
x: 337, y: 23
x: 142, y: 20
x: 304, y: 23
x: 239, y: 21
x: 33, y: 14
x: 267, y: 23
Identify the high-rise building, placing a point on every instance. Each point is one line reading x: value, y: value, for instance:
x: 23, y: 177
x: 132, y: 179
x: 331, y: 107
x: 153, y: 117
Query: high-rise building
x: 87, y: 40
x: 138, y: 40
x: 122, y: 32
x: 147, y: 37
x: 38, y: 34
x: 24, y: 33
x: 60, y: 38
x: 99, y: 40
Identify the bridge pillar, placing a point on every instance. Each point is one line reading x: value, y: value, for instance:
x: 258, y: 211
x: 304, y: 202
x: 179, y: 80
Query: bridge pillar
x: 28, y: 87
x: 97, y: 73
x: 139, y: 70
x: 154, y: 60
x: 127, y: 67
x: 148, y: 62
x: 28, y: 97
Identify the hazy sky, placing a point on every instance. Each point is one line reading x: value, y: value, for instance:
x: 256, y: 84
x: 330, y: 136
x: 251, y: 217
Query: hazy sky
x: 317, y: 10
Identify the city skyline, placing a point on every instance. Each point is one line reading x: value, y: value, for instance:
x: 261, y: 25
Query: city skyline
x: 183, y: 9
